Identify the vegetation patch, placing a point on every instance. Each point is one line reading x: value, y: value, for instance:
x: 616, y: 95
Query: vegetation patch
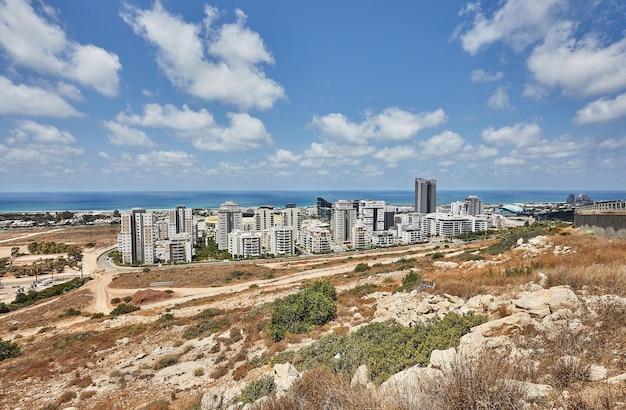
x: 123, y: 309
x: 387, y: 348
x: 315, y: 304
x: 9, y: 350
x: 27, y: 299
x: 206, y: 327
x: 253, y: 391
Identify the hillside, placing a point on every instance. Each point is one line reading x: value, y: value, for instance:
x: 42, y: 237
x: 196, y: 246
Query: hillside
x: 533, y: 319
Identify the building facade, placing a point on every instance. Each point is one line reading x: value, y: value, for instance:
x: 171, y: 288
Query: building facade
x: 425, y: 195
x: 342, y: 219
x: 229, y: 218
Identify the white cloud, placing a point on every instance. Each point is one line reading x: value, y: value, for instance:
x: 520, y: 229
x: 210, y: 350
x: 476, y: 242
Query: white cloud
x: 31, y: 41
x: 518, y: 23
x: 613, y: 144
x: 482, y: 76
x: 144, y: 165
x: 33, y: 101
x: 123, y: 135
x: 444, y: 144
x: 602, y: 110
x: 579, y: 67
x: 331, y: 154
x: 520, y: 134
x: 229, y: 73
x: 37, y: 146
x: 243, y: 133
x: 562, y: 147
x: 392, y: 124
x: 392, y: 156
x: 283, y: 158
x: 499, y: 100
x: 509, y: 162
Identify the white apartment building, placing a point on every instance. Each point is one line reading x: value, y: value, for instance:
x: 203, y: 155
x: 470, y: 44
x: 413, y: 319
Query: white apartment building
x: 292, y: 217
x: 361, y: 237
x: 282, y: 240
x: 229, y: 218
x: 264, y: 218
x: 137, y: 236
x: 383, y: 238
x: 411, y: 234
x: 343, y: 218
x: 244, y: 244
x: 314, y: 236
x: 474, y: 205
x: 180, y: 220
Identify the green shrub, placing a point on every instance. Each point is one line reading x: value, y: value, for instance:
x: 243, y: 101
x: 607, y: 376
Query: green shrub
x: 361, y: 267
x: 315, y: 304
x: 4, y: 308
x: 127, y: 299
x: 411, y: 281
x: 436, y: 255
x: 123, y: 309
x: 97, y: 315
x: 387, y: 348
x: 253, y: 391
x: 71, y: 312
x: 115, y: 301
x: 9, y: 350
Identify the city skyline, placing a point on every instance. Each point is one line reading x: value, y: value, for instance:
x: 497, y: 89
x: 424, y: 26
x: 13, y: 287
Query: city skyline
x: 144, y: 95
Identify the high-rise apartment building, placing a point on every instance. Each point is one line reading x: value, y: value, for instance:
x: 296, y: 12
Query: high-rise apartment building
x: 137, y: 236
x: 342, y: 219
x: 264, y: 218
x: 181, y: 221
x: 425, y: 195
x: 372, y: 213
x: 229, y: 218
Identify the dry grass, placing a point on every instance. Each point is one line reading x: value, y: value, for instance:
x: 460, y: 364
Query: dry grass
x: 323, y: 389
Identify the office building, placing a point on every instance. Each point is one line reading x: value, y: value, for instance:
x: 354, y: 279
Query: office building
x: 425, y: 195
x: 474, y: 205
x: 229, y: 218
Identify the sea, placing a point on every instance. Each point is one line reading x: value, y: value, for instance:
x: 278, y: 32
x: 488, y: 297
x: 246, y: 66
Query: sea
x: 126, y: 200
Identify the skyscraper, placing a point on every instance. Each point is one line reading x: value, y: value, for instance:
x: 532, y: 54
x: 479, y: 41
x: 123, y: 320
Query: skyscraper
x: 425, y: 195
x: 229, y: 217
x: 474, y: 205
x: 342, y: 219
x: 137, y: 235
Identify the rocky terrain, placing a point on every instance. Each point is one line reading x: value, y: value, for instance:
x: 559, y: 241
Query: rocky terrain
x: 553, y: 335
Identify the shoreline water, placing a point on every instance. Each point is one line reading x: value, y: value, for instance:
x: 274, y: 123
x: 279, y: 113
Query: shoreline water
x: 124, y: 200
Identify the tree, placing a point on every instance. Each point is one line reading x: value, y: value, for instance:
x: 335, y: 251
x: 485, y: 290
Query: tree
x: 15, y: 251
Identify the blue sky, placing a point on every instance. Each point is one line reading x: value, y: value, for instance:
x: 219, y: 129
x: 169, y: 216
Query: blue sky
x: 274, y: 95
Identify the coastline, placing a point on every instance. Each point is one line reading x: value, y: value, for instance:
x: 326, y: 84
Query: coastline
x: 104, y: 201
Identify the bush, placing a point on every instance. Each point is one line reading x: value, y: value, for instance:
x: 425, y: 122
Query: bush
x: 387, y: 348
x: 253, y: 391
x: 123, y: 309
x: 361, y: 267
x: 4, y: 308
x: 169, y: 360
x: 206, y: 327
x: 314, y: 305
x: 411, y: 281
x: 71, y: 312
x: 9, y: 350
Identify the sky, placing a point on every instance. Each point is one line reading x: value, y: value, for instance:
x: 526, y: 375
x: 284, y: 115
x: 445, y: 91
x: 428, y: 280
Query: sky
x: 283, y: 95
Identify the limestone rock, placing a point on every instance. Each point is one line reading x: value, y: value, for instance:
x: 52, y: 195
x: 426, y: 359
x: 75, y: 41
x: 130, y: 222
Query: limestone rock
x: 285, y: 376
x: 443, y: 359
x: 504, y: 326
x: 362, y: 377
x: 543, y: 302
x: 212, y: 399
x: 597, y: 373
x: 411, y: 386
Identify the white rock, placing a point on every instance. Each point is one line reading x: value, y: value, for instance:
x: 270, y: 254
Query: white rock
x: 285, y: 376
x: 212, y: 399
x: 503, y: 326
x: 443, y: 359
x: 597, y: 373
x: 362, y: 377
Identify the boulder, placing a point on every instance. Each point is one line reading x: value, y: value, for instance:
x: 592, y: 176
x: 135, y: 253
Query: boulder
x: 212, y: 399
x: 543, y: 302
x: 362, y: 377
x: 504, y: 326
x: 597, y: 373
x: 411, y: 387
x: 285, y: 376
x: 443, y: 359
